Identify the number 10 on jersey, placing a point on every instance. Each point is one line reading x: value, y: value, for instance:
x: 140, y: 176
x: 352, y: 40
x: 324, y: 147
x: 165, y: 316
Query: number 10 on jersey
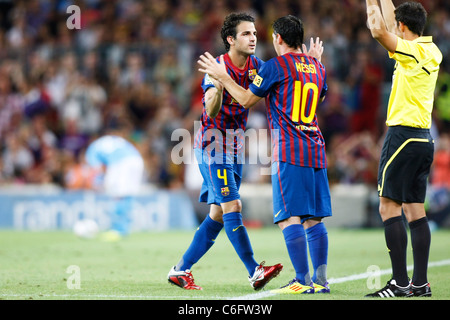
x: 300, y: 101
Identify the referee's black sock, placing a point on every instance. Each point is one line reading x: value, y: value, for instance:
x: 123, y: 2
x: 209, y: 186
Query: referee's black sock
x: 397, y: 241
x: 420, y: 240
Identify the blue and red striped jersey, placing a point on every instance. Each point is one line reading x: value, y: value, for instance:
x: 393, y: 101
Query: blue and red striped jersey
x: 293, y: 85
x: 232, y: 116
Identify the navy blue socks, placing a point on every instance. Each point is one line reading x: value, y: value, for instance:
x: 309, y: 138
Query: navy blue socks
x: 317, y: 236
x: 204, y: 238
x: 237, y: 234
x: 295, y: 238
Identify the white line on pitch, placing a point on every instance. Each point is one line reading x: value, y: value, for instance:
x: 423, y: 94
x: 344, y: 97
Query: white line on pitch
x: 253, y: 296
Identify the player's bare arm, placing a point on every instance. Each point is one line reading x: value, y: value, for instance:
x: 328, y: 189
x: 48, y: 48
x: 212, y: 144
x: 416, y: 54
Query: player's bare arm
x: 377, y: 26
x: 218, y: 71
x: 213, y: 99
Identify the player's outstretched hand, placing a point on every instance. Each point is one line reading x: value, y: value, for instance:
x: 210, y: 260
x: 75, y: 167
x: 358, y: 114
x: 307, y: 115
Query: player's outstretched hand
x: 315, y: 48
x: 213, y: 68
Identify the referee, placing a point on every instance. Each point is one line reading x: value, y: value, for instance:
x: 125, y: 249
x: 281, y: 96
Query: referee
x: 408, y: 147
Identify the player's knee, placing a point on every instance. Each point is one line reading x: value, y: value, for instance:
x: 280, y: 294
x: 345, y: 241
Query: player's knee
x: 215, y: 213
x: 289, y: 221
x: 311, y: 222
x: 218, y: 217
x: 232, y: 206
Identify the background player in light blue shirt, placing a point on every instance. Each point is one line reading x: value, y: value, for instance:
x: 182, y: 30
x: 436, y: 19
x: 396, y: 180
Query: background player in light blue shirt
x: 121, y: 168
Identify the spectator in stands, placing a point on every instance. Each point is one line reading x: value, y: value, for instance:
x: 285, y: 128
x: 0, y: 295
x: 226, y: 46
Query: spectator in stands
x: 11, y: 108
x: 77, y: 174
x: 17, y: 158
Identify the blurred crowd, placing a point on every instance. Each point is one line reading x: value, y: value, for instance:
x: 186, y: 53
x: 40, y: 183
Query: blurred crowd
x: 132, y: 65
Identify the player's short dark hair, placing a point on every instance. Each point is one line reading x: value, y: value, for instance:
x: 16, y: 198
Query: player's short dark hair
x: 229, y: 26
x: 412, y: 15
x: 290, y: 28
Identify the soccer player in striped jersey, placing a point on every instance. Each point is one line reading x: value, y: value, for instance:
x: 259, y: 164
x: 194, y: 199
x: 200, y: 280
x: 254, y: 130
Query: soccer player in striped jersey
x: 218, y: 149
x: 294, y: 83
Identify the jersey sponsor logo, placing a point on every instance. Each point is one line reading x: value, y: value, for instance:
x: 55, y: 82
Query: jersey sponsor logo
x: 258, y: 80
x: 306, y: 128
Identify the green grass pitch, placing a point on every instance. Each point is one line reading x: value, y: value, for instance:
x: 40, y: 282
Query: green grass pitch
x: 59, y: 266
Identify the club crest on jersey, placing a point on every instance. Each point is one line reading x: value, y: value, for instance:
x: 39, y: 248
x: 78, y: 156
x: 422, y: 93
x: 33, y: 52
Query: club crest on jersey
x: 225, y: 191
x: 252, y: 74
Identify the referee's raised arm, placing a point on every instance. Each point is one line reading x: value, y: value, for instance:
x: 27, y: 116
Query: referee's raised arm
x: 377, y: 26
x: 387, y: 9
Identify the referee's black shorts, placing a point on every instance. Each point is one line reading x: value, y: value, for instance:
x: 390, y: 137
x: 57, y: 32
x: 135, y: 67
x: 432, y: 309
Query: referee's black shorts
x: 405, y: 164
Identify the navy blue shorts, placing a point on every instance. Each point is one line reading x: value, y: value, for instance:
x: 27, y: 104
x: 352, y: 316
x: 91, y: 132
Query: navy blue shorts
x: 299, y: 191
x: 221, y: 181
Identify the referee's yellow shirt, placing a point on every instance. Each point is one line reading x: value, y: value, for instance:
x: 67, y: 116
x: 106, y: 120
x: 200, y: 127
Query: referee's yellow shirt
x: 414, y: 81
